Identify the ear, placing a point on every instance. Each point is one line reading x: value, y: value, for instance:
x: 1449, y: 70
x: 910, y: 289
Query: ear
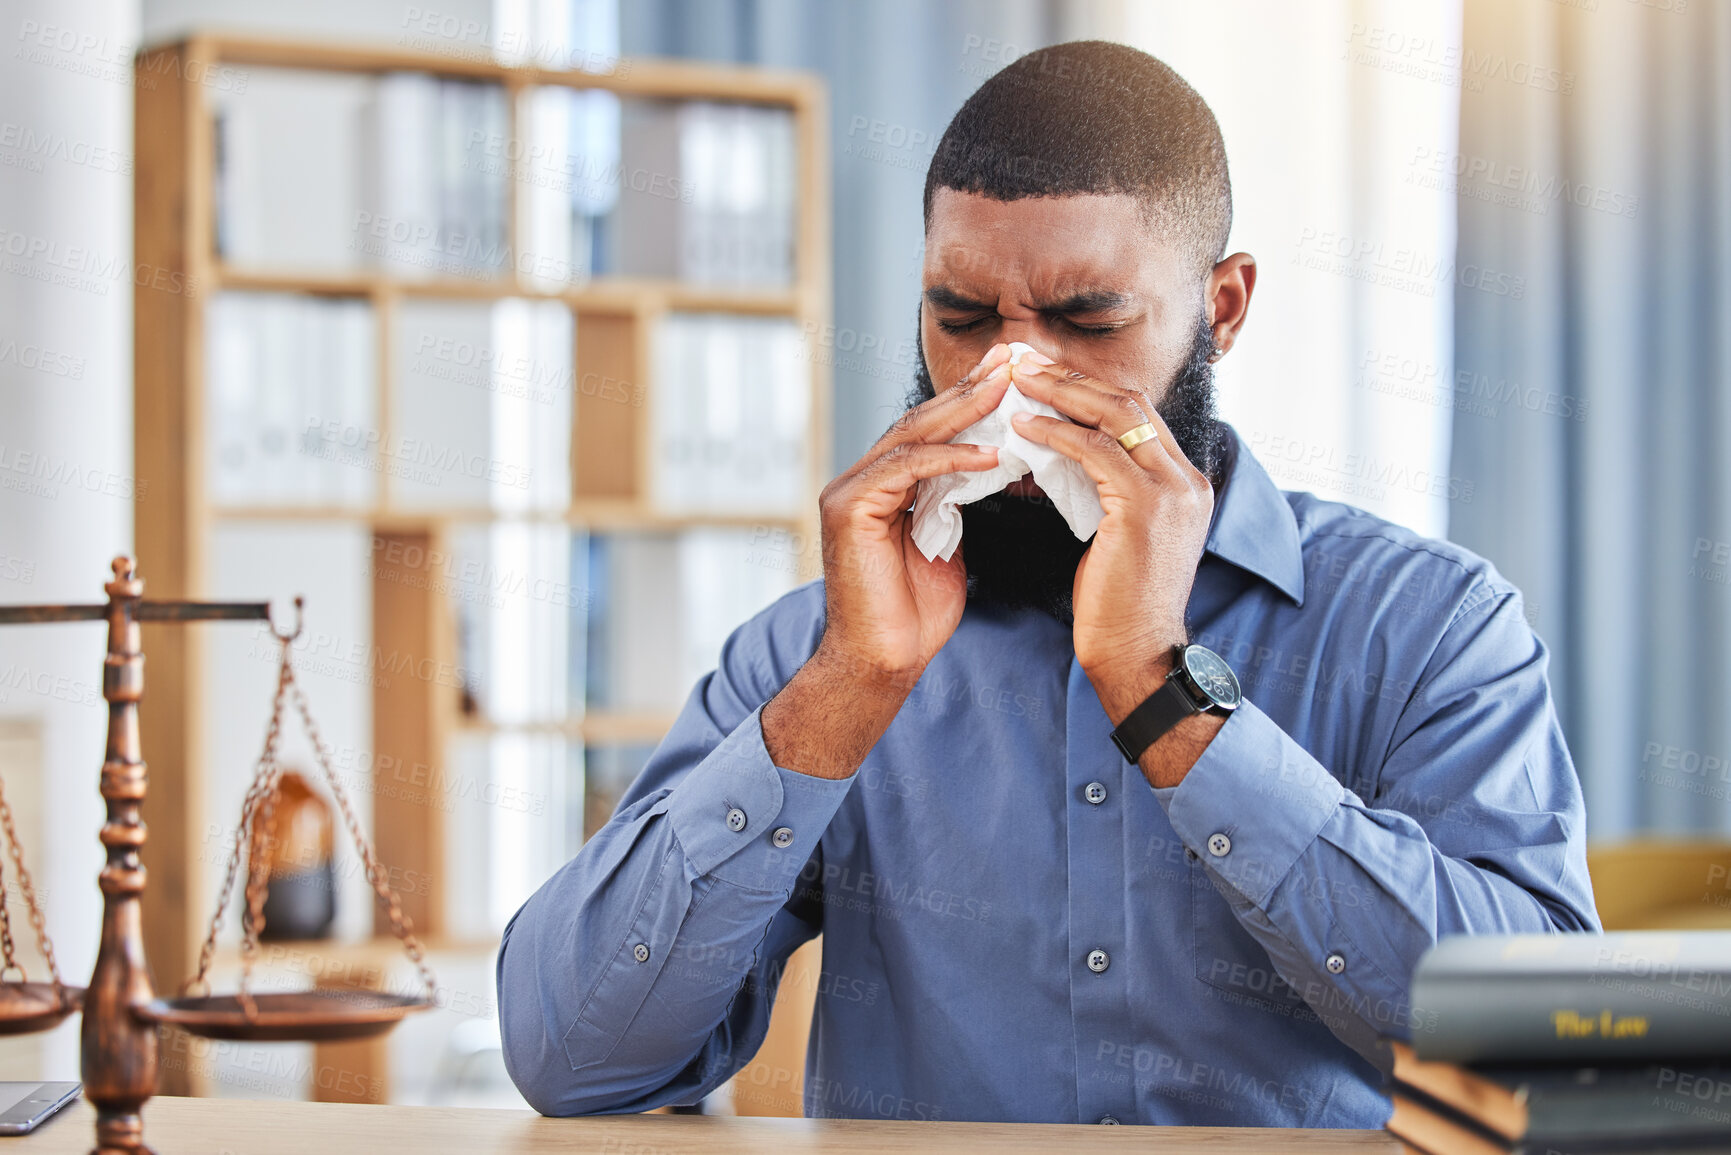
x: 1226, y: 297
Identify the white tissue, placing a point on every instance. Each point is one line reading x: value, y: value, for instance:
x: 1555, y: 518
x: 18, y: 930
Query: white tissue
x: 938, y: 521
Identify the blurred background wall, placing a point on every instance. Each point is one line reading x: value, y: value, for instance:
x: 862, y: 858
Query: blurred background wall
x: 66, y: 484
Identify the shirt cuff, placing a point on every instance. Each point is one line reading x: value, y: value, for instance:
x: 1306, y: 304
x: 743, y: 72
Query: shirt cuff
x: 1252, y: 804
x: 747, y: 821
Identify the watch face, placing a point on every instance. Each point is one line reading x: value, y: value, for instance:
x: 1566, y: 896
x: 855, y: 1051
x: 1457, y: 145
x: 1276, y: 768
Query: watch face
x: 1212, y: 675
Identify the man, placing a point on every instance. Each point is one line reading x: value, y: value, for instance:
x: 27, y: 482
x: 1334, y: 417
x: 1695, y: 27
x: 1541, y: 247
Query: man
x: 921, y: 759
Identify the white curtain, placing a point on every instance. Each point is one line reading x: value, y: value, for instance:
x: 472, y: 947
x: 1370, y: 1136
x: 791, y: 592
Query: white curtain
x: 1607, y: 482
x: 1333, y: 113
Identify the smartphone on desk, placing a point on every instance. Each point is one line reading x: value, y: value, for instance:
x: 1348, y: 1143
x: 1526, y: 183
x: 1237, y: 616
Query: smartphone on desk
x: 23, y: 1106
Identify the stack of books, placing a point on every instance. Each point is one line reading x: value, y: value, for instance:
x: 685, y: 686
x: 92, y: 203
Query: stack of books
x: 291, y: 400
x: 730, y: 415
x: 407, y: 173
x: 1559, y: 1044
x: 707, y: 193
x: 432, y: 169
x: 412, y: 175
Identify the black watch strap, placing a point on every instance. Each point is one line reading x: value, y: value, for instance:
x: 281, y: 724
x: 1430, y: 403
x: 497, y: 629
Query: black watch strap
x: 1158, y: 713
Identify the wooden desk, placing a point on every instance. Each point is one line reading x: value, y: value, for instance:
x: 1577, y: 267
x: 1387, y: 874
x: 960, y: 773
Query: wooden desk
x: 243, y: 1127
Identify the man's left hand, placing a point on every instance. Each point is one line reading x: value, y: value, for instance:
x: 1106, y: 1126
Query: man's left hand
x: 1133, y: 583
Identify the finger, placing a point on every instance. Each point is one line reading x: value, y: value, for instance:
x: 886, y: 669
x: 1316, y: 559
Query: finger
x: 1102, y: 456
x: 895, y: 472
x: 1095, y: 450
x: 938, y: 420
x: 1158, y: 453
x: 1163, y: 452
x: 998, y: 354
x: 1153, y: 455
x: 1144, y: 399
x: 1084, y: 400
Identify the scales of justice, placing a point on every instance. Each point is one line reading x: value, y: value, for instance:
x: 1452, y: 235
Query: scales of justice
x: 121, y: 1015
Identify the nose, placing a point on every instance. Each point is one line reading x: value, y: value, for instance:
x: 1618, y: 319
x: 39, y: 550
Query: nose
x: 1029, y: 332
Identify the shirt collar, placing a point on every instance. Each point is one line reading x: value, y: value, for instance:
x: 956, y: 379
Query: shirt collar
x: 1254, y: 527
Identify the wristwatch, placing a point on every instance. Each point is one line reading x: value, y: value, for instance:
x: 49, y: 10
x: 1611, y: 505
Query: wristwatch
x: 1200, y: 683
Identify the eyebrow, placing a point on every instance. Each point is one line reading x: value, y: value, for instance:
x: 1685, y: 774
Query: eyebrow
x: 1086, y: 301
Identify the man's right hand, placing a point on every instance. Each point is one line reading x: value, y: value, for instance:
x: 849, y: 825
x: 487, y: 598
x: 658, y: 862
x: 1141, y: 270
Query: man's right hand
x: 888, y: 609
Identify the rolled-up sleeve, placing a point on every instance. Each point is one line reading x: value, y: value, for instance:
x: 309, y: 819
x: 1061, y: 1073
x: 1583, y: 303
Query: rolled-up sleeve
x: 642, y: 973
x: 1475, y: 827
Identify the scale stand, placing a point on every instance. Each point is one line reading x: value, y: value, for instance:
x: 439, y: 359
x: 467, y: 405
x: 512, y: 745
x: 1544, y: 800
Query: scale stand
x: 118, y: 1052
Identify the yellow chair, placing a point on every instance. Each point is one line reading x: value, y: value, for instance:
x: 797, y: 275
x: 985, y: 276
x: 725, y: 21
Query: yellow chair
x: 772, y: 1083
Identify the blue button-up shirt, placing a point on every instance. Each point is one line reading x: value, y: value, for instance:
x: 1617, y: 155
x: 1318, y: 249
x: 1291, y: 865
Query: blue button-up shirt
x: 1015, y: 925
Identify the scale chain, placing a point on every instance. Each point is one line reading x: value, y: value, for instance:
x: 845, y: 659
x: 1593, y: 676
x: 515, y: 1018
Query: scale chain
x: 29, y: 889
x: 6, y: 934
x: 263, y: 781
x: 256, y: 814
x: 401, y: 924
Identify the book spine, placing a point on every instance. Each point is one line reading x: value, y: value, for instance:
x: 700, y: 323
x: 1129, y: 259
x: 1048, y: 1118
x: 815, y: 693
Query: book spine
x: 1575, y: 1019
x: 1435, y: 1130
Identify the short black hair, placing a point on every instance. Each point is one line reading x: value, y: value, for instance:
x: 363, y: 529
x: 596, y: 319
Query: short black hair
x: 1090, y: 116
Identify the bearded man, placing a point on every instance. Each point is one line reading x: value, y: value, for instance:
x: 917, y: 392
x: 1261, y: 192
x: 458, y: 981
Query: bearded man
x: 1150, y: 828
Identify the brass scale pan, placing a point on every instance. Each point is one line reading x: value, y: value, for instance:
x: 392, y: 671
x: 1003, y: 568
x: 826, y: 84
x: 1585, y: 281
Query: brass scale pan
x: 312, y: 1016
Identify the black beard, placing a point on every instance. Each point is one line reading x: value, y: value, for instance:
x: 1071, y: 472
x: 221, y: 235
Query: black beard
x: 1019, y: 551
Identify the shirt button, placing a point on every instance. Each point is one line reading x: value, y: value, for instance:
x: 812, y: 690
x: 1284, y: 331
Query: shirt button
x: 1219, y: 845
x: 1107, y: 1120
x: 1336, y: 963
x: 640, y: 952
x: 783, y: 836
x: 736, y: 820
x: 1098, y: 961
x: 1095, y: 792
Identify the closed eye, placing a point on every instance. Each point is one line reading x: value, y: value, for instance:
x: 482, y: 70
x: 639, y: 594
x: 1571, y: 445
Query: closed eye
x: 1090, y: 330
x: 969, y: 326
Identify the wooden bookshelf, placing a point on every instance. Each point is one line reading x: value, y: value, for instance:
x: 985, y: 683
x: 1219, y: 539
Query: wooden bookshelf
x: 174, y: 233
x: 614, y: 296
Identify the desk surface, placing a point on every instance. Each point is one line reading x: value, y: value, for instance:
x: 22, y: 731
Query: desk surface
x: 243, y: 1127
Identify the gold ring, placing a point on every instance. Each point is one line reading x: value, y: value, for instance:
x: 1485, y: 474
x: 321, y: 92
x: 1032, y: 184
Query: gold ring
x: 1136, y: 436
